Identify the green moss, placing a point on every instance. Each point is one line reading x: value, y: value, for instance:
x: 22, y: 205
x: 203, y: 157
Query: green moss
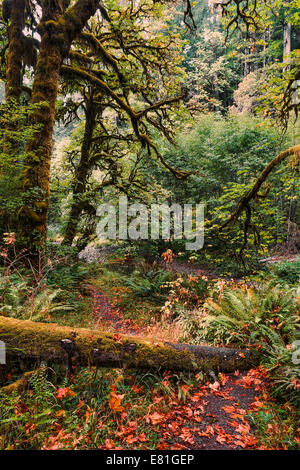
x: 19, y: 385
x: 42, y: 340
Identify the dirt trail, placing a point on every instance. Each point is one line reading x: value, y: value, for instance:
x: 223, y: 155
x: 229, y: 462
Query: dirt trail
x: 183, y: 267
x: 214, y: 417
x: 107, y: 316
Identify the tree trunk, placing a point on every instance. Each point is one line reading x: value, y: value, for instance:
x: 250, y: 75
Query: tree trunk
x: 34, y: 214
x: 287, y: 43
x: 14, y: 72
x: 14, y: 81
x: 81, y: 174
x: 58, y: 29
x: 78, y: 346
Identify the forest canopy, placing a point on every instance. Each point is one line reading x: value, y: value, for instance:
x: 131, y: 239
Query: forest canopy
x: 125, y: 79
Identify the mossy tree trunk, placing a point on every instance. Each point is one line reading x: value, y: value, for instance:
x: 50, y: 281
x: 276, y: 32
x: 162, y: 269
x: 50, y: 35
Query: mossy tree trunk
x: 14, y: 76
x: 78, y: 346
x: 58, y: 29
x: 39, y: 147
x: 14, y: 71
x: 82, y: 171
x: 10, y: 148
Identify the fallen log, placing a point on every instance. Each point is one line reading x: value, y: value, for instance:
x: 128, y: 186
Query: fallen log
x: 19, y: 385
x: 49, y: 342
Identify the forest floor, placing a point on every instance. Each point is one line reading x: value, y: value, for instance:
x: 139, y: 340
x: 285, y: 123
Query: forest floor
x: 144, y: 409
x: 214, y: 416
x: 108, y: 317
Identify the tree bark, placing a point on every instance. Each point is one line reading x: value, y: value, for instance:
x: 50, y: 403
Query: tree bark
x: 287, y: 43
x: 14, y: 81
x: 78, y: 346
x: 34, y: 214
x: 14, y: 72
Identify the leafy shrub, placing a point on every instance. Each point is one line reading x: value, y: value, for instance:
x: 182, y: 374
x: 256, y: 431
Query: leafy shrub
x: 266, y: 318
x: 24, y: 301
x: 149, y: 283
x: 285, y: 375
x: 275, y: 425
x: 12, y: 297
x: 39, y: 294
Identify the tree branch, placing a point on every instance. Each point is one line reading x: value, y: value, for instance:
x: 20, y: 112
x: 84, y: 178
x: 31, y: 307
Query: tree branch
x: 293, y: 152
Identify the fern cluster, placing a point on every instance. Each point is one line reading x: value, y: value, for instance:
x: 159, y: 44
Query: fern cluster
x: 265, y: 316
x: 24, y: 300
x: 42, y: 388
x: 149, y: 283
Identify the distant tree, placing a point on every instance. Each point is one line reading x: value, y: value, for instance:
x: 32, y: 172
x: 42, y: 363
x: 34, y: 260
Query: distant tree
x: 247, y: 94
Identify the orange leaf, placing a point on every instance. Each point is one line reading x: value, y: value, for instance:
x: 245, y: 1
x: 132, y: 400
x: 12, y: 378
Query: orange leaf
x: 117, y: 338
x: 155, y: 418
x: 115, y: 402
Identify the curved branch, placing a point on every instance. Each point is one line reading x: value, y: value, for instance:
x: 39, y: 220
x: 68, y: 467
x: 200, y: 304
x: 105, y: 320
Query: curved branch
x: 161, y: 103
x: 101, y: 85
x: 179, y: 174
x: 106, y: 56
x: 293, y: 152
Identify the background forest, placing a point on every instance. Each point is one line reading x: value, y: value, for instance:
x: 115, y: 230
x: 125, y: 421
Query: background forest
x: 164, y: 102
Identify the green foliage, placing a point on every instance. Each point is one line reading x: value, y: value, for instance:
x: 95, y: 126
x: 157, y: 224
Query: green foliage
x: 266, y: 316
x: 285, y: 271
x: 26, y: 302
x: 18, y: 419
x: 49, y: 293
x: 222, y: 150
x: 228, y: 155
x: 41, y: 386
x: 15, y: 129
x: 80, y: 414
x: 276, y: 425
x: 12, y: 296
x: 149, y: 283
x: 285, y: 376
x: 67, y: 275
x: 145, y: 58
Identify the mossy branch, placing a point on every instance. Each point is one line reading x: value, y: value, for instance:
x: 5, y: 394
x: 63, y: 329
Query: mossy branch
x: 293, y: 152
x: 76, y: 17
x: 106, y: 56
x: 91, y: 78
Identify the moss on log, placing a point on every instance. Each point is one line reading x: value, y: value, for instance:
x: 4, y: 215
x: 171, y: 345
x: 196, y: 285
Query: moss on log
x: 50, y: 342
x: 19, y: 385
